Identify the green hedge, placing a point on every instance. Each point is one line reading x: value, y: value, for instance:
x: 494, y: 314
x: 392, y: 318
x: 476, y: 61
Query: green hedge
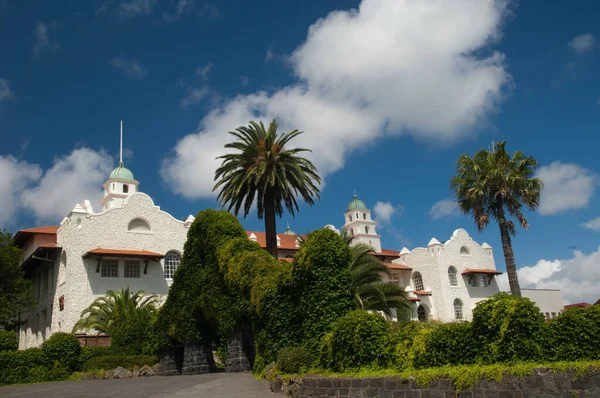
x: 8, y: 341
x: 508, y: 329
x: 63, y: 348
x: 293, y: 359
x: 358, y: 339
x: 574, y: 335
x: 30, y: 366
x: 114, y: 361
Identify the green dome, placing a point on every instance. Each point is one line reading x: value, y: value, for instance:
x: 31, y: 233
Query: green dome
x: 121, y: 172
x: 289, y: 231
x: 356, y: 204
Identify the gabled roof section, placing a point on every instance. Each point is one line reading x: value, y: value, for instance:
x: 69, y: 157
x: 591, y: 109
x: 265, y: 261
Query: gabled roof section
x: 22, y: 236
x: 286, y: 242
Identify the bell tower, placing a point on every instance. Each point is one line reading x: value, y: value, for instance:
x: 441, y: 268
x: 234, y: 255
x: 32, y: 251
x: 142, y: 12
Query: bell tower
x: 360, y: 225
x: 120, y: 183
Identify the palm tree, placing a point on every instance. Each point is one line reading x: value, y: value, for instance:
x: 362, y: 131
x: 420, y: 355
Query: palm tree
x: 494, y: 185
x: 264, y: 170
x: 103, y: 311
x: 370, y: 292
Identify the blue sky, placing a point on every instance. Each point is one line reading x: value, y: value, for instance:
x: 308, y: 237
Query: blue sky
x: 390, y: 93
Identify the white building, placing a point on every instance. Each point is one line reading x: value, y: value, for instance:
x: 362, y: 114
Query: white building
x: 549, y: 301
x: 132, y: 243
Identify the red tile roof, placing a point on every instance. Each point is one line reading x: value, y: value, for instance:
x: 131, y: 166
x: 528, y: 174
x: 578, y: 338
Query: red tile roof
x: 471, y: 271
x: 582, y: 305
x: 386, y: 253
x: 123, y: 253
x: 287, y: 242
x: 397, y: 266
x: 23, y: 235
x: 413, y: 299
x: 422, y: 293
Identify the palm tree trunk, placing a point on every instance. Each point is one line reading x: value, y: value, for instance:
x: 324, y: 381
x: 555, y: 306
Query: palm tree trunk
x: 509, y: 257
x: 270, y: 223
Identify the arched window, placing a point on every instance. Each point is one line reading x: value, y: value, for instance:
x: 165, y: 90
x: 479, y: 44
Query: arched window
x: 125, y: 188
x: 458, y: 312
x: 367, y: 229
x: 172, y: 261
x: 422, y: 313
x: 138, y: 225
x: 364, y: 216
x: 464, y: 251
x: 350, y: 218
x: 418, y: 281
x: 452, y: 276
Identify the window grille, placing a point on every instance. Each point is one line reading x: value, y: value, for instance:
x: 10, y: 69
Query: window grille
x: 132, y: 269
x: 172, y: 261
x: 110, y: 269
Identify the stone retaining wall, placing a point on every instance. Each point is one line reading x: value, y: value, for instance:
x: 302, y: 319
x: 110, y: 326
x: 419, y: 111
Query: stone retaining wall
x: 542, y: 383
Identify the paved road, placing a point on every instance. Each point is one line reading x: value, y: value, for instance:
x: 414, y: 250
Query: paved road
x: 214, y: 385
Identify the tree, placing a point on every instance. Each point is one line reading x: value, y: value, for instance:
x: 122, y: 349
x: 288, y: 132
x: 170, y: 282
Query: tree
x: 104, y: 311
x: 16, y: 292
x: 368, y: 288
x: 495, y: 185
x: 265, y: 171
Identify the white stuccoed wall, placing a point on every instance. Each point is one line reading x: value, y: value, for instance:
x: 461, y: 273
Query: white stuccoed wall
x: 77, y: 279
x: 433, y: 263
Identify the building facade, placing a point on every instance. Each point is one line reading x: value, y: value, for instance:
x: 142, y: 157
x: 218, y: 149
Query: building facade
x: 133, y: 243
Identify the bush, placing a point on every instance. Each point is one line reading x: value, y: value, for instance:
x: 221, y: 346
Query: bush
x: 28, y: 366
x: 574, y: 335
x: 293, y: 359
x: 88, y: 353
x: 358, y: 339
x: 132, y: 333
x: 64, y: 348
x: 114, y: 361
x: 508, y: 329
x: 8, y: 341
x: 445, y: 344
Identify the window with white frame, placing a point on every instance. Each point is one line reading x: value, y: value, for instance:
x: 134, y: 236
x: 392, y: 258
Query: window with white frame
x: 172, y: 261
x: 418, y: 281
x: 452, y: 276
x: 132, y: 269
x: 458, y: 311
x: 109, y: 268
x: 479, y: 280
x: 395, y: 276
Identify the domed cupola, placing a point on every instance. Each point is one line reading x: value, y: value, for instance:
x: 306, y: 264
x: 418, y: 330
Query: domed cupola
x: 120, y: 183
x: 356, y: 204
x: 288, y: 230
x: 121, y: 172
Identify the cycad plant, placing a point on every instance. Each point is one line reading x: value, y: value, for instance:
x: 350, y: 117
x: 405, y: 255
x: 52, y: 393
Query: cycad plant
x: 104, y: 311
x: 263, y: 170
x: 370, y: 292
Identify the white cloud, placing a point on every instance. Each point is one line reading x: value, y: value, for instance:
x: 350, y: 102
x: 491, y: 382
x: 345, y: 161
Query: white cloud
x: 443, y: 208
x: 193, y: 96
x: 202, y: 71
x: 15, y: 176
x: 578, y: 278
x: 201, y: 8
x: 566, y: 186
x: 42, y: 38
x: 137, y: 8
x: 384, y: 212
x: 6, y: 92
x: 582, y: 44
x: 70, y: 180
x: 390, y: 67
x: 593, y: 224
x: 129, y: 67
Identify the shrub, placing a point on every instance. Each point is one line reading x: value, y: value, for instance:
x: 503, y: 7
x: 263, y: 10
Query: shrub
x: 293, y: 359
x: 8, y: 341
x: 88, y: 353
x: 64, y: 348
x: 445, y: 344
x: 358, y: 339
x: 17, y: 367
x: 114, y: 361
x: 574, y: 335
x: 132, y: 333
x: 508, y: 329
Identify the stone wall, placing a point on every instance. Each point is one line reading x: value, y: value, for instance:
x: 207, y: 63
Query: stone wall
x: 542, y: 383
x: 93, y: 340
x: 240, y: 351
